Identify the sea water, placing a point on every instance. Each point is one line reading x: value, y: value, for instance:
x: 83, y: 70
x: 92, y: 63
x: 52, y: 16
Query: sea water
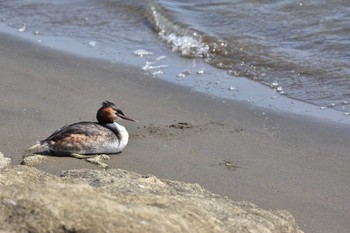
x: 269, y: 53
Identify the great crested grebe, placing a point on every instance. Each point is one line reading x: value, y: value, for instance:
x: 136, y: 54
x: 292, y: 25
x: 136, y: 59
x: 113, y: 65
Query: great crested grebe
x: 87, y: 139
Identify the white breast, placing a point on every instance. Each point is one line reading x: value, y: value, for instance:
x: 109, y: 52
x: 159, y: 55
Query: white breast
x: 113, y: 147
x: 124, y: 137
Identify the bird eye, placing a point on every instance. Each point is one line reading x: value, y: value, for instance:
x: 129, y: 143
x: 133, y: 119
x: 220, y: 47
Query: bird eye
x: 120, y: 112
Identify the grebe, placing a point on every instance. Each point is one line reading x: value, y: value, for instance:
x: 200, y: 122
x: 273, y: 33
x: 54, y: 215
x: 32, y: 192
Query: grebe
x: 87, y: 139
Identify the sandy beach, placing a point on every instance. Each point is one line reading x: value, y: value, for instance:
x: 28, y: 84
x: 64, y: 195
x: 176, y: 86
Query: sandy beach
x: 273, y: 159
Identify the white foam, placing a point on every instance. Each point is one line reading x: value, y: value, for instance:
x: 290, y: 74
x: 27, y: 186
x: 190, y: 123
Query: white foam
x: 92, y: 43
x: 142, y: 52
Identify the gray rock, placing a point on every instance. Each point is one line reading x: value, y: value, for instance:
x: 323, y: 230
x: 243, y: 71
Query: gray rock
x: 122, y: 201
x: 33, y: 160
x: 4, y: 161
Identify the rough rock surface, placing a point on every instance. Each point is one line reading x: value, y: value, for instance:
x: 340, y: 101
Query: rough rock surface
x: 121, y: 201
x: 4, y: 161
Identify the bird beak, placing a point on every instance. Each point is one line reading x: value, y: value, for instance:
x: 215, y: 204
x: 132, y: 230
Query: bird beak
x: 128, y: 119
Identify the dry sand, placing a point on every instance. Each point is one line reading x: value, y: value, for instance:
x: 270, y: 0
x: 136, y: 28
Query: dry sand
x: 234, y: 149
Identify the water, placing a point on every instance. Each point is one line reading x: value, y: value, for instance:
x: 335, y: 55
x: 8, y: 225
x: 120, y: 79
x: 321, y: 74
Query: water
x: 304, y: 47
x: 298, y: 49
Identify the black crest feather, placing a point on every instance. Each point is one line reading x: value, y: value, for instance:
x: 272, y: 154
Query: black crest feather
x: 108, y: 104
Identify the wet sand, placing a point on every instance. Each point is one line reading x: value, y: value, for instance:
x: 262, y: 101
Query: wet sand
x: 272, y: 159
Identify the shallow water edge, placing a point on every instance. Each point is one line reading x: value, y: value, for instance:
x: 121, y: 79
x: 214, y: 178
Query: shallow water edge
x: 192, y: 73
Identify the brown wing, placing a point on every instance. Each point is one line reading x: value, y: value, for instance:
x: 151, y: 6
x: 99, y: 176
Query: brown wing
x: 78, y: 138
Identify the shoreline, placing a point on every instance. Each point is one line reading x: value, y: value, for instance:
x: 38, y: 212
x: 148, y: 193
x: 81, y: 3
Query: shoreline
x: 185, y: 73
x: 284, y: 161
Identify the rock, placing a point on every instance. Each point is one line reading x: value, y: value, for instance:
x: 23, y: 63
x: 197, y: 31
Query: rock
x: 120, y: 201
x: 4, y: 161
x: 33, y: 160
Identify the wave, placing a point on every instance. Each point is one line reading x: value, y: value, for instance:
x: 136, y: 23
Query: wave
x: 192, y: 43
x: 302, y: 76
x: 188, y: 43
